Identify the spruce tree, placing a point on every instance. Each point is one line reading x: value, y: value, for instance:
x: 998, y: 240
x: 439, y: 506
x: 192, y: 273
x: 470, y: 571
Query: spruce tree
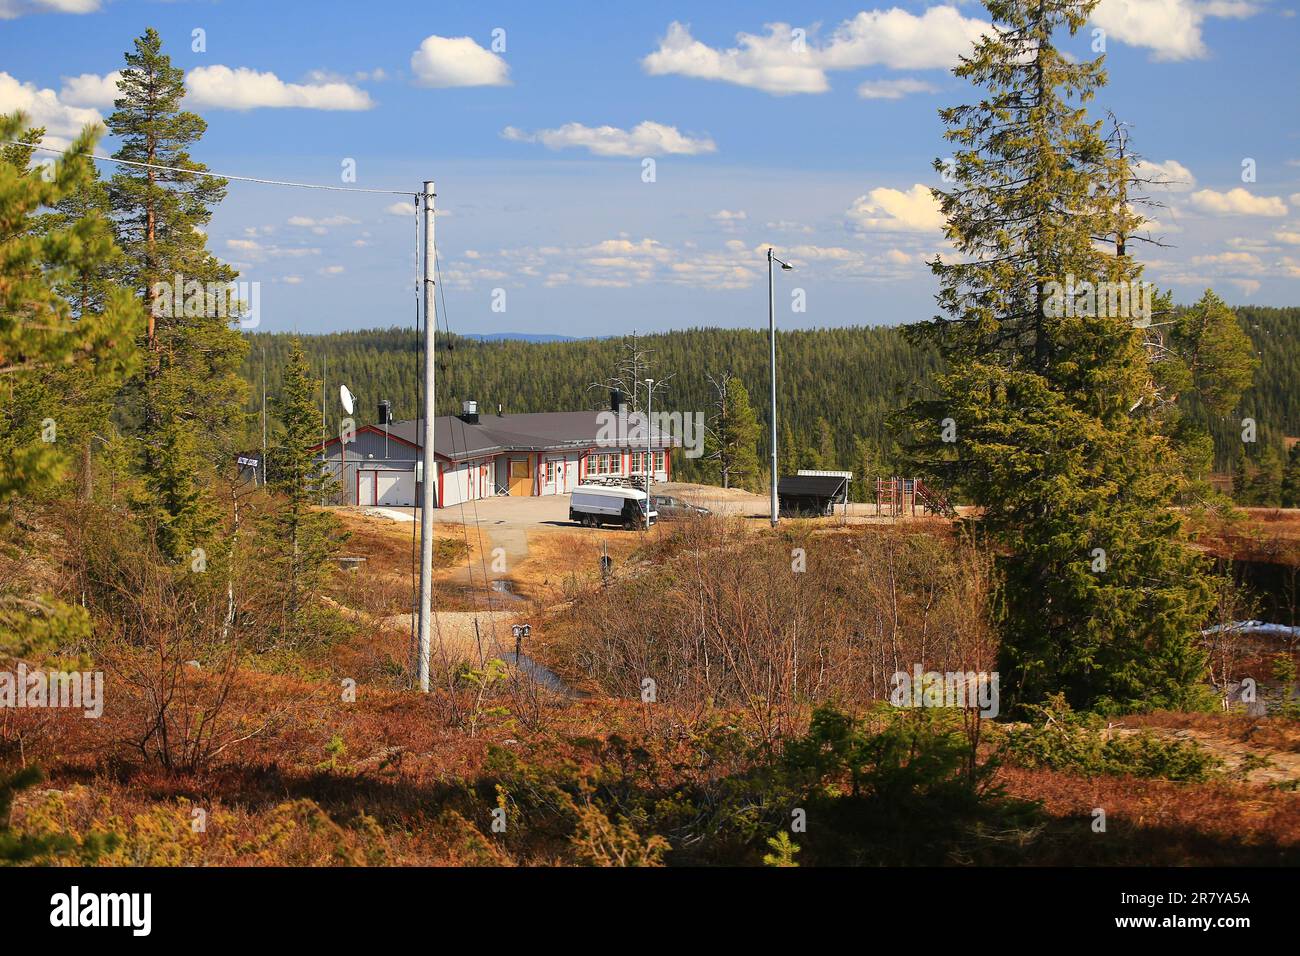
x: 307, y: 535
x: 1290, y: 493
x: 1264, y: 490
x: 730, y: 444
x: 1050, y: 398
x: 1241, y: 473
x: 187, y: 400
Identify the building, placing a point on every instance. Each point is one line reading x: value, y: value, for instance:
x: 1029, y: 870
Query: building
x: 812, y: 494
x: 544, y: 453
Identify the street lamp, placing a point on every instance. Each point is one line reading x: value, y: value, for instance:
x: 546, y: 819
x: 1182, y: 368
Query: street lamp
x: 771, y: 335
x: 649, y: 401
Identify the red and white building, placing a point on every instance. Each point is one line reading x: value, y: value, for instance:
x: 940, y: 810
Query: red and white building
x: 544, y: 453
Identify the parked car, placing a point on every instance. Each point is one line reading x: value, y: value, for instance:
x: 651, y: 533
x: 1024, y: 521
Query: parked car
x: 595, y: 505
x: 670, y: 508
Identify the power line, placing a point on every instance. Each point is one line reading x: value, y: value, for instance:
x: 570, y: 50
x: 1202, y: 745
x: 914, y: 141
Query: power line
x: 205, y: 172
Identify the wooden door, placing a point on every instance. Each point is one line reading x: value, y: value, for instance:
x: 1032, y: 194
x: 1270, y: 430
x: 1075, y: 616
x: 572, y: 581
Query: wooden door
x: 521, y: 477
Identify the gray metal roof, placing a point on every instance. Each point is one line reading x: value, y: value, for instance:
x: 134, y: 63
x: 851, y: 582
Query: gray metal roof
x: 538, y: 431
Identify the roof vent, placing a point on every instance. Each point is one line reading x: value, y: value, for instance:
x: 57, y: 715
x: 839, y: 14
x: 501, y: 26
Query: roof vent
x: 469, y: 412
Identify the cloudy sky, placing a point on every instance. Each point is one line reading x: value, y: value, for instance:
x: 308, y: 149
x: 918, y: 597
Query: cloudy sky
x: 609, y: 166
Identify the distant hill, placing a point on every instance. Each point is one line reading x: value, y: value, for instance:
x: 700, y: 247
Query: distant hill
x: 519, y: 337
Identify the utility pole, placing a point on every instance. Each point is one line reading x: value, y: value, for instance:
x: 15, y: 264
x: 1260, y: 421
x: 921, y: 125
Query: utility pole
x: 771, y: 335
x: 649, y: 457
x: 263, y: 419
x: 430, y: 478
x: 324, y: 370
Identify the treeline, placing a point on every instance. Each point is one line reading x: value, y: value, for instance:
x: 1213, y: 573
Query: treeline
x: 844, y: 383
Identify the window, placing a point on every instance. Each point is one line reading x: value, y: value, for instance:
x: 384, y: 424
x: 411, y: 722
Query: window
x: 550, y: 472
x: 604, y: 464
x: 638, y: 461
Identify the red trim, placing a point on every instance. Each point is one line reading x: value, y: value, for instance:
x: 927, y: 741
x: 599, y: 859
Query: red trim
x: 374, y: 430
x: 441, y: 472
x: 668, y: 464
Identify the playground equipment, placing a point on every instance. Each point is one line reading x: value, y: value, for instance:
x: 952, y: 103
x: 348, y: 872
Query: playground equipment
x: 902, y: 496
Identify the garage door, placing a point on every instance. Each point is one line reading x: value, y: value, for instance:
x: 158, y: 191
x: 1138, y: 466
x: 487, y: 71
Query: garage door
x: 395, y: 488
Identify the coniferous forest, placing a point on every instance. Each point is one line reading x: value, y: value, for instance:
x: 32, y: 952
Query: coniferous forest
x: 850, y: 380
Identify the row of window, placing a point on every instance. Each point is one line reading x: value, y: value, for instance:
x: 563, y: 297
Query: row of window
x: 612, y: 463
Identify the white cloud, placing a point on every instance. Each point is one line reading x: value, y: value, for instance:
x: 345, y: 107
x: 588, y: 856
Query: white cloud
x: 401, y: 208
x: 891, y: 210
x: 1289, y: 236
x: 12, y: 9
x: 644, y: 139
x: 783, y: 61
x: 1169, y: 176
x: 220, y: 87
x: 457, y: 61
x: 770, y: 63
x: 1237, y: 261
x: 1237, y: 202
x: 258, y: 251
x: 902, y: 40
x: 62, y: 121
x: 332, y: 271
x: 321, y: 226
x: 893, y: 89
x: 1171, y: 29
x: 90, y: 89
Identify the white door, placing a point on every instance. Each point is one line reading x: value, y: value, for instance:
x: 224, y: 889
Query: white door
x: 395, y: 488
x: 365, y: 487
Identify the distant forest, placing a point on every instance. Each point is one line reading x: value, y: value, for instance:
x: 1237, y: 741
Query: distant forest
x: 845, y: 381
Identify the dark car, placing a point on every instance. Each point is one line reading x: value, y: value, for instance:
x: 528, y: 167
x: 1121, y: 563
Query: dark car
x: 671, y: 508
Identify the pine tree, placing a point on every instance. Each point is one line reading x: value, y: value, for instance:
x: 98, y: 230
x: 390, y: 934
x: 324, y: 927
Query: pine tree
x: 41, y: 337
x: 188, y: 397
x: 307, y: 534
x: 1050, y: 397
x: 730, y: 443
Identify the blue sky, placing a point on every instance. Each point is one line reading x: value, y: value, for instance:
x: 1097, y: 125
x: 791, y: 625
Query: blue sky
x: 535, y: 120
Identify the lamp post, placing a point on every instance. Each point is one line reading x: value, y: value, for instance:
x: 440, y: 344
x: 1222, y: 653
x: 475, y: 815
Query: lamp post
x: 649, y: 401
x: 771, y: 335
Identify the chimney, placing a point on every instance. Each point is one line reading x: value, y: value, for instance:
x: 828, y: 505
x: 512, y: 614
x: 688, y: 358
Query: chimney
x: 615, y: 400
x: 498, y: 409
x: 469, y: 412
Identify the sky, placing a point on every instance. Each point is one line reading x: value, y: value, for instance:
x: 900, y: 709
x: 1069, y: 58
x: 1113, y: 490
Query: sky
x: 609, y: 167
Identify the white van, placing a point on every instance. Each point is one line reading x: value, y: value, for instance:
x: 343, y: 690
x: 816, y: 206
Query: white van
x: 594, y: 505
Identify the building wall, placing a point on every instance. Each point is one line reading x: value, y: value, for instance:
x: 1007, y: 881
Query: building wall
x: 469, y: 480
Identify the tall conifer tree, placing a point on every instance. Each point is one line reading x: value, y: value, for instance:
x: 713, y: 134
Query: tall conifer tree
x: 1048, y: 396
x: 187, y: 399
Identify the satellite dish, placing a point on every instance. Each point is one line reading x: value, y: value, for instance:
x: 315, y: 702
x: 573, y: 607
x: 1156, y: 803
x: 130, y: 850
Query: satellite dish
x: 345, y: 396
